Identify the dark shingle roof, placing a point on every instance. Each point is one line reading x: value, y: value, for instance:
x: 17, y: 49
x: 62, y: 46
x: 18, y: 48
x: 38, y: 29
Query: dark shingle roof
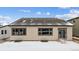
x: 39, y: 21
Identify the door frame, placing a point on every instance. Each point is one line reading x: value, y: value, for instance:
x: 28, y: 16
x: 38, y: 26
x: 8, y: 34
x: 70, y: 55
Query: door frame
x: 65, y: 29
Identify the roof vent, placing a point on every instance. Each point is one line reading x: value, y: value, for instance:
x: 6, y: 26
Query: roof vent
x: 31, y: 20
x: 24, y: 21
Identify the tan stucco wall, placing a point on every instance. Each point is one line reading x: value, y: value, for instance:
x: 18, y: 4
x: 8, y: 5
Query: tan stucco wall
x: 75, y: 23
x: 8, y: 32
x: 32, y: 33
x: 69, y: 33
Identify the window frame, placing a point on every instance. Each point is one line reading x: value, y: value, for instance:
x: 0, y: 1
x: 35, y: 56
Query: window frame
x: 5, y: 31
x: 17, y: 31
x: 42, y: 31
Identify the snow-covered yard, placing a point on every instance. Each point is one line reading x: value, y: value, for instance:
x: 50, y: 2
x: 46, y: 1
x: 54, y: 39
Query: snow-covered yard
x: 37, y: 46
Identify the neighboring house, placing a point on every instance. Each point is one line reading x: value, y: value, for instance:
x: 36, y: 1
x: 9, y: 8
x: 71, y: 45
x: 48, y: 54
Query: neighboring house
x: 75, y: 22
x: 37, y: 29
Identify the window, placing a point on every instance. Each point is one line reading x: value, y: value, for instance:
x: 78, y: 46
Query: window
x: 2, y: 32
x: 5, y: 31
x: 73, y: 21
x: 18, y: 31
x: 45, y: 31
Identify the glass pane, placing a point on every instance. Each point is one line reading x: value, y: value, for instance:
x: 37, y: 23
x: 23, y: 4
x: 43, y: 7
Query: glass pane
x: 62, y: 33
x: 18, y: 31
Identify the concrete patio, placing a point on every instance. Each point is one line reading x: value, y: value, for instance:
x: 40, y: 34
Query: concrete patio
x: 39, y: 46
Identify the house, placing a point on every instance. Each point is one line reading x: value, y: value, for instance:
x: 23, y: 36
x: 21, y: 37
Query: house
x: 37, y: 29
x: 75, y: 22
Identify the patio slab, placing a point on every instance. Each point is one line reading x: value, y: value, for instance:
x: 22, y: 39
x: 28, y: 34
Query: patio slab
x: 39, y: 46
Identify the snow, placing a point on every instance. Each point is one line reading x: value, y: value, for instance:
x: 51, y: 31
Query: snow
x: 39, y: 46
x: 68, y: 23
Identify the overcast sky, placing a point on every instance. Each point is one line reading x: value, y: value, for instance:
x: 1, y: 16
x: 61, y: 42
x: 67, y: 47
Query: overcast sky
x: 10, y: 14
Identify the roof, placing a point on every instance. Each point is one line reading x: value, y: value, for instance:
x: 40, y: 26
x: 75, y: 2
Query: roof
x: 39, y: 21
x: 73, y: 19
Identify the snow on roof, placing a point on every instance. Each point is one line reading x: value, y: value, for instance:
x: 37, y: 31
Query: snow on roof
x: 68, y: 23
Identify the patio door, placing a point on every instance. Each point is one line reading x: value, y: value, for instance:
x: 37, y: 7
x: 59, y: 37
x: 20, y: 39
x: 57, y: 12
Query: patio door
x: 62, y: 33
